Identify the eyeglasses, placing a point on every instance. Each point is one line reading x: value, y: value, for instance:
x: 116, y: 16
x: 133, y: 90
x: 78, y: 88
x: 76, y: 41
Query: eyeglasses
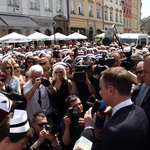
x: 139, y: 72
x: 44, y: 63
x: 8, y: 68
x: 56, y: 72
x: 16, y: 67
x: 41, y: 124
x: 29, y: 62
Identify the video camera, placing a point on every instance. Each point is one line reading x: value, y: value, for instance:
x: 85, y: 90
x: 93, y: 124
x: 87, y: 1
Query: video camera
x: 79, y: 74
x: 128, y: 62
x: 74, y: 116
x: 54, y: 129
x: 102, y: 62
x: 19, y: 99
x: 97, y: 105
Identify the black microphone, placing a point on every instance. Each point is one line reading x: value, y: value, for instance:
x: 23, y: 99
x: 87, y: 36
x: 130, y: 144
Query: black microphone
x: 108, y: 37
x: 97, y: 105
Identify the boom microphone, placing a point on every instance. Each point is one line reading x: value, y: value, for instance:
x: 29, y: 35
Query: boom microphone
x: 108, y: 37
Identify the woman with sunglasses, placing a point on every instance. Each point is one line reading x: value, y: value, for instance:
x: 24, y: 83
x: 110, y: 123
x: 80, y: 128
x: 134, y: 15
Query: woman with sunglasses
x: 44, y: 62
x: 17, y: 74
x: 29, y: 61
x: 11, y: 82
x: 62, y: 86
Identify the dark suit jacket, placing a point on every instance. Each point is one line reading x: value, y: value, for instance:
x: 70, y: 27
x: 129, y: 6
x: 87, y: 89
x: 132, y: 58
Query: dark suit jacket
x: 126, y: 130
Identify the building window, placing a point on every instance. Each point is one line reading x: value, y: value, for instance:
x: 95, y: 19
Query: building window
x: 106, y: 14
x: 116, y: 16
x: 12, y: 2
x: 98, y: 12
x: 90, y: 11
x: 58, y: 6
x: 80, y: 8
x: 120, y: 17
x: 47, y: 4
x: 111, y: 15
x: 72, y: 6
x: 33, y: 4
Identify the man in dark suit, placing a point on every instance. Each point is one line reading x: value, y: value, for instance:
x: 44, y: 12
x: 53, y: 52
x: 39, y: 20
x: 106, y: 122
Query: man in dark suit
x: 128, y: 126
x: 143, y: 97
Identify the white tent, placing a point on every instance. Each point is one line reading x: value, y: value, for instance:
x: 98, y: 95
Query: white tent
x: 38, y: 36
x: 77, y: 35
x: 13, y: 38
x: 58, y: 36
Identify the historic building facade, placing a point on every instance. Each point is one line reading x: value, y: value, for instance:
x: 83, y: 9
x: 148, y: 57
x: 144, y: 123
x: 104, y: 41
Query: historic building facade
x: 88, y: 17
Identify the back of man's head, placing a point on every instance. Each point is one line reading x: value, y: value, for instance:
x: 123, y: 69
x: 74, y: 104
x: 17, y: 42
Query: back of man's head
x: 119, y: 78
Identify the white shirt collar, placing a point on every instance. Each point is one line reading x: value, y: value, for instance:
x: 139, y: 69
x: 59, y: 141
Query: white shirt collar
x: 121, y: 105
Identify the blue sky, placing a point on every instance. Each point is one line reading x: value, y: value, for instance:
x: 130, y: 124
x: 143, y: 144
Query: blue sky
x: 145, y: 8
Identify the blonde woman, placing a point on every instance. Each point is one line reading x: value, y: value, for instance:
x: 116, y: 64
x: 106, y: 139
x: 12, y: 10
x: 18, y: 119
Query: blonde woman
x: 11, y: 81
x: 62, y: 87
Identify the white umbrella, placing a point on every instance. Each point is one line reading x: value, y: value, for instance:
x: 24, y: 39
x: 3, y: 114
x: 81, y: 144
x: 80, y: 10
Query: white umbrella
x: 100, y: 35
x: 77, y: 35
x: 13, y: 38
x: 58, y: 36
x: 38, y: 36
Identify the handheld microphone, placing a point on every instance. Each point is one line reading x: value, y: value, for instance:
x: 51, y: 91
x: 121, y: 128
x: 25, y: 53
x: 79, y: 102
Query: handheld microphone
x: 82, y: 144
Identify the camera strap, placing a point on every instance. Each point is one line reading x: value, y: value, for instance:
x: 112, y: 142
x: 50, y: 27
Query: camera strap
x: 39, y: 100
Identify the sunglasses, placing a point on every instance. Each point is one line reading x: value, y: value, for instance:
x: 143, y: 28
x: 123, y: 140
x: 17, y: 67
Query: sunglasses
x: 29, y: 62
x: 44, y: 63
x: 8, y: 68
x: 139, y: 72
x: 56, y: 72
x: 41, y: 124
x: 16, y: 67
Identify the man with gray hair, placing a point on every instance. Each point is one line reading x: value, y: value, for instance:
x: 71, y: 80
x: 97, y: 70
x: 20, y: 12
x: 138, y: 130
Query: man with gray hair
x: 37, y: 94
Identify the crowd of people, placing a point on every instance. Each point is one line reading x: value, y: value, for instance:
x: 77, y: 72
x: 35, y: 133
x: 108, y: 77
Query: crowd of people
x: 50, y: 90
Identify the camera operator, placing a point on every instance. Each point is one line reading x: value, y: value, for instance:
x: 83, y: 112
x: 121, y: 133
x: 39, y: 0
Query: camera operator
x: 73, y: 123
x: 116, y: 55
x: 37, y: 93
x: 42, y: 138
x: 86, y: 87
x: 127, y: 122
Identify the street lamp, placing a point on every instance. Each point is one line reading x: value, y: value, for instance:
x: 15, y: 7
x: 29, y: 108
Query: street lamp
x: 54, y: 26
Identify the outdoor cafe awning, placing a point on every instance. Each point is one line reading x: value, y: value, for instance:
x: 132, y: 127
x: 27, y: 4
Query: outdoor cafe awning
x: 2, y: 24
x: 16, y: 21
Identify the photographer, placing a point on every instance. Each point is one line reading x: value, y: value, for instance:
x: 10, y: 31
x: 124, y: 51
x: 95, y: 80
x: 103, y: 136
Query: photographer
x: 84, y: 82
x: 42, y: 138
x: 36, y: 92
x: 73, y: 123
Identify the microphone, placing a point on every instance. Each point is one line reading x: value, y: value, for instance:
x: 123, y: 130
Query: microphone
x: 82, y: 144
x: 97, y: 105
x: 108, y: 37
